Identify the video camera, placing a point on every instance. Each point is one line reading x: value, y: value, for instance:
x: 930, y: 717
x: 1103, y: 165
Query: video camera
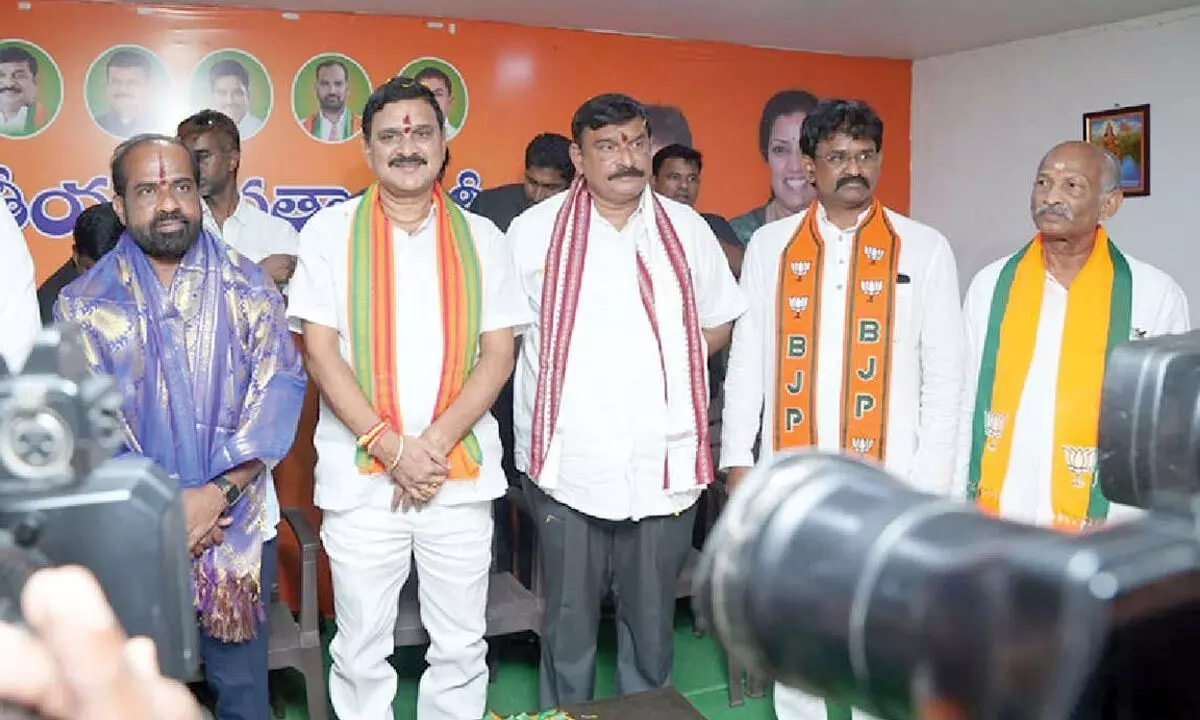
x: 832, y: 576
x: 65, y: 500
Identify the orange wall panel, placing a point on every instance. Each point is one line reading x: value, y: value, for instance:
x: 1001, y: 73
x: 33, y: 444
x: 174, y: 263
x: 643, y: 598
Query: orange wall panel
x: 519, y: 81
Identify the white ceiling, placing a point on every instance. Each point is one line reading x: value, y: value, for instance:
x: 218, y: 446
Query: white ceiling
x: 882, y: 28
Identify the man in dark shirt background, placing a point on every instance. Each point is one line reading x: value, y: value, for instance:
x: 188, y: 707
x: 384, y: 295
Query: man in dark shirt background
x: 548, y: 171
x: 97, y: 230
x: 676, y: 170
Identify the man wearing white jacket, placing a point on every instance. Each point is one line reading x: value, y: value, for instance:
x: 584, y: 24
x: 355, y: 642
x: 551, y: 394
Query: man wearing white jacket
x: 853, y: 339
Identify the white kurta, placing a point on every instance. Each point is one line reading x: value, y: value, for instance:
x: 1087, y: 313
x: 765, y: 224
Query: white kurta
x: 371, y: 547
x: 1159, y: 308
x: 254, y: 233
x: 320, y: 294
x: 612, y: 420
x: 926, y: 361
x: 16, y: 122
x: 249, y: 126
x: 19, y: 314
x: 926, y: 366
x: 337, y: 130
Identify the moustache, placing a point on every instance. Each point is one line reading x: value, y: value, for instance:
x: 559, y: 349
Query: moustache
x: 628, y: 171
x: 407, y: 160
x: 174, y: 216
x: 1058, y: 209
x: 842, y: 182
x: 10, y: 89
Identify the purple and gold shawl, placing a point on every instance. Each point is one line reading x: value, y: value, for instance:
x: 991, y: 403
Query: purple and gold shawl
x: 211, y: 379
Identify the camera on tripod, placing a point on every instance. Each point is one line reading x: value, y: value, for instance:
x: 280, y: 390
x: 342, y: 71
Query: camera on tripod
x: 66, y: 500
x: 830, y: 575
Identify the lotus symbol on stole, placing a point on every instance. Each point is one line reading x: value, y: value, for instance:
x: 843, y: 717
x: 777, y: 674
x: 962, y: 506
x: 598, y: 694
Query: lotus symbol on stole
x: 873, y: 254
x: 862, y: 445
x: 871, y: 288
x: 993, y: 428
x: 800, y: 268
x: 798, y: 304
x: 1080, y: 461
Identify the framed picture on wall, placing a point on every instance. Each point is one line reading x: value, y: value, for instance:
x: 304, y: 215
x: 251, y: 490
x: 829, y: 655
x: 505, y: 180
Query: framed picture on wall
x: 1124, y: 132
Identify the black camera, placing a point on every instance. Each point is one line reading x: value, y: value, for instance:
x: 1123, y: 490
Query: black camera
x: 832, y: 576
x: 65, y: 500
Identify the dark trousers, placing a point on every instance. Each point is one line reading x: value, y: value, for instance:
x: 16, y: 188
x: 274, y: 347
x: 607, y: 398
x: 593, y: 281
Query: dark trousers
x: 582, y: 559
x: 513, y: 541
x: 237, y: 672
x: 513, y: 538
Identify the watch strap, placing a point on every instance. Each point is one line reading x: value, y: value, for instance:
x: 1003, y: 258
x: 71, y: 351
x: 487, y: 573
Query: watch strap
x: 229, y: 489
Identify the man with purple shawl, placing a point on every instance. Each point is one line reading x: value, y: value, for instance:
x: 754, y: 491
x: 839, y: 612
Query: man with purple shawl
x: 196, y: 339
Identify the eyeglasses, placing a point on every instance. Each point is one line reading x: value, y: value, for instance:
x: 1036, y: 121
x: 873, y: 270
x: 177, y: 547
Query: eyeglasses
x: 840, y: 159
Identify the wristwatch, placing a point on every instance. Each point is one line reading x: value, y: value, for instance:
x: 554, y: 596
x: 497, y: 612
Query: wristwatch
x: 230, y: 490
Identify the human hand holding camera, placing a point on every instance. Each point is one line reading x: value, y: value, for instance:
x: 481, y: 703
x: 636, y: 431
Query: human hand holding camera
x: 74, y: 661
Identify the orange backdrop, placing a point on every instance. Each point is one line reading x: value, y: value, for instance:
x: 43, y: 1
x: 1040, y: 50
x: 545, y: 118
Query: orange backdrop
x: 520, y: 81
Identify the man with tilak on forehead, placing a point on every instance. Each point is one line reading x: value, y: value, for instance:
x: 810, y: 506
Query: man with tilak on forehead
x: 408, y: 307
x: 610, y: 406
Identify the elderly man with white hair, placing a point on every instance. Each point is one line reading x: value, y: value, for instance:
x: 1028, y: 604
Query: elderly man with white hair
x: 1039, y: 327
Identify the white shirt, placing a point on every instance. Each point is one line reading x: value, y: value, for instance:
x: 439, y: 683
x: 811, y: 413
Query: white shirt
x: 613, y: 417
x: 16, y: 122
x: 1159, y: 308
x: 320, y: 294
x: 19, y: 315
x: 332, y: 131
x: 249, y: 126
x: 253, y: 233
x: 926, y: 351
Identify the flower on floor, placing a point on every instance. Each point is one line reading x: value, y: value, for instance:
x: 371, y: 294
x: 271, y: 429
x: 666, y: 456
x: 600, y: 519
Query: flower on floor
x: 543, y: 715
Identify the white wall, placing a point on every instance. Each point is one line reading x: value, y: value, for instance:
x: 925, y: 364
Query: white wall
x: 983, y: 119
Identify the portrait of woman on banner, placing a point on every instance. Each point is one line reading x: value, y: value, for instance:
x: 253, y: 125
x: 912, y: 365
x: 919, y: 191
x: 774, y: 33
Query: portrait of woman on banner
x: 779, y: 143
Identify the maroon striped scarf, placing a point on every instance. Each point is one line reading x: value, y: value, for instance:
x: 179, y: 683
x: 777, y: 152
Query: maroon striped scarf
x: 560, y: 300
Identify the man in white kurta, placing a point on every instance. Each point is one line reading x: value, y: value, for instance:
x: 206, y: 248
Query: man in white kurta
x: 610, y: 410
x: 1075, y: 190
x: 19, y: 315
x: 264, y: 239
x: 214, y: 142
x: 376, y: 522
x: 915, y: 414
